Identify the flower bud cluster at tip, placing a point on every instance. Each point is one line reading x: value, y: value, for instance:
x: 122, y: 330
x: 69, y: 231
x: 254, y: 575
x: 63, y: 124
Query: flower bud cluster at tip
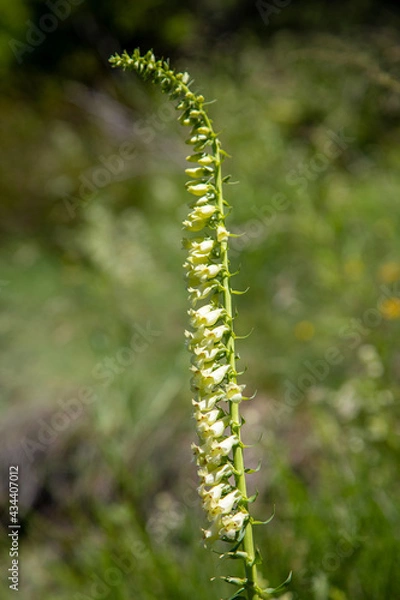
x: 213, y: 376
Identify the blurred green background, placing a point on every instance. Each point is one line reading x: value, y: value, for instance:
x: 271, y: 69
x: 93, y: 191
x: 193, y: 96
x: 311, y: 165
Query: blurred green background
x: 95, y: 402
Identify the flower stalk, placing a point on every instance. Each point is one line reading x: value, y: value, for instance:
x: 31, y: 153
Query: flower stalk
x: 217, y: 394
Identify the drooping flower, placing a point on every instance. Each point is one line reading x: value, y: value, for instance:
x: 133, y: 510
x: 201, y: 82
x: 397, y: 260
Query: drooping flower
x: 201, y: 273
x: 234, y: 392
x: 216, y: 475
x: 225, y: 505
x: 197, y: 172
x: 206, y: 316
x: 199, y: 216
x: 231, y: 524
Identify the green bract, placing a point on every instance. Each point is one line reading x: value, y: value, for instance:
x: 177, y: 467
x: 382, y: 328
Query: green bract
x: 217, y: 395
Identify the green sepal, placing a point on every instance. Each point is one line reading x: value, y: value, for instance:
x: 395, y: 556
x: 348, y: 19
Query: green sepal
x: 237, y: 235
x: 238, y: 373
x: 228, y: 212
x: 251, y: 445
x: 267, y: 592
x: 224, y: 153
x: 255, y: 522
x: 252, y: 498
x: 243, y: 337
x: 238, y: 540
x: 244, y: 556
x: 250, y: 471
x: 235, y: 555
x: 227, y: 180
x: 240, y: 292
x: 237, y: 596
x: 258, y: 558
x: 250, y: 397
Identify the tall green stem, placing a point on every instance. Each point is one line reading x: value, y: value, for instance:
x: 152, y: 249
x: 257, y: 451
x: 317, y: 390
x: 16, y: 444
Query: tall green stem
x: 238, y: 458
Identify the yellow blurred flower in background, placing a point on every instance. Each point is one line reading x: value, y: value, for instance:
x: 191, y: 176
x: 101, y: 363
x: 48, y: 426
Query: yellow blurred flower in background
x: 390, y: 308
x: 304, y: 331
x: 389, y: 271
x: 354, y: 268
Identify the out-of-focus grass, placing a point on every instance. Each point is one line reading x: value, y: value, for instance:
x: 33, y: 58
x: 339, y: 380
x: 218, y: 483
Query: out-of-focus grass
x: 118, y: 480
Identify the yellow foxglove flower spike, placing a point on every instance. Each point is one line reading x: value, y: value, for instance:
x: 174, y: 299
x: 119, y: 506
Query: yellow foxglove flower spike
x: 219, y: 452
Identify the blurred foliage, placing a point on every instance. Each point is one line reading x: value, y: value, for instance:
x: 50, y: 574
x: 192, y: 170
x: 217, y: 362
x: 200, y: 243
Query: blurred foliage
x: 92, y: 295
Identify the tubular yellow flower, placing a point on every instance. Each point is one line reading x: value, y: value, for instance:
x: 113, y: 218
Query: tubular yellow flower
x: 199, y: 245
x: 232, y: 524
x: 215, y: 430
x: 222, y: 233
x: 203, y: 356
x: 201, y: 292
x: 225, y: 505
x: 198, y: 189
x: 215, y: 476
x: 198, y: 172
x: 206, y: 379
x: 206, y: 338
x: 207, y: 402
x: 234, y: 392
x: 207, y: 315
x: 201, y: 273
